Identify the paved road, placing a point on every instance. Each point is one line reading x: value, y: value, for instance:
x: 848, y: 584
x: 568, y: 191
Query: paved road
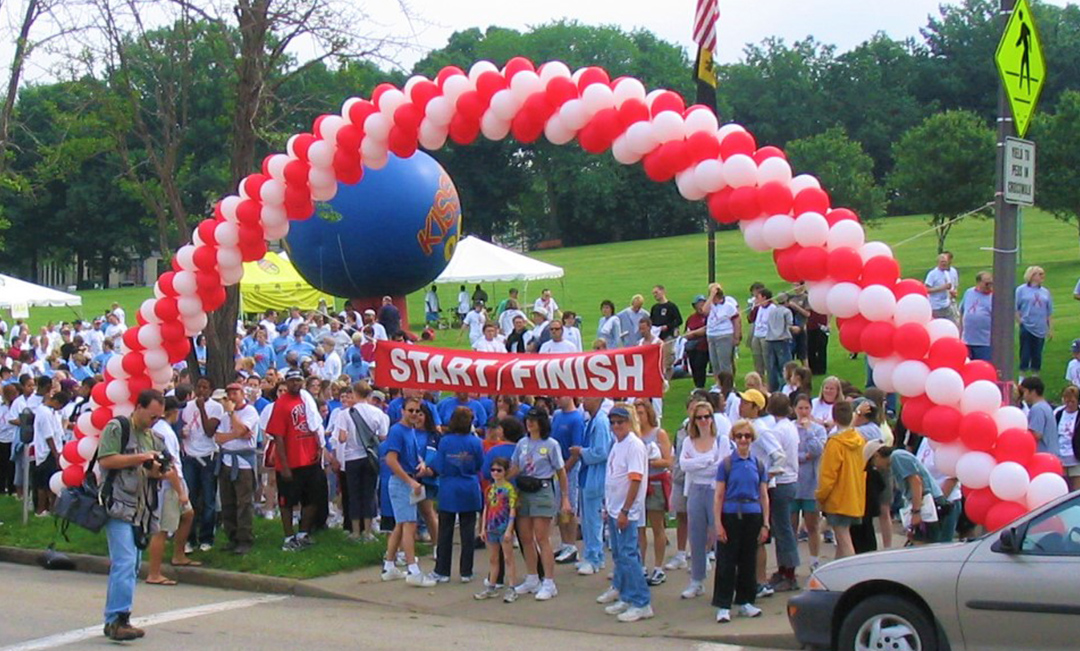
x: 44, y: 610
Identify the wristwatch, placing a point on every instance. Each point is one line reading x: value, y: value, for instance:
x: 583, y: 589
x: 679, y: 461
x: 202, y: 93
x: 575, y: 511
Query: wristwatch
x: 625, y: 511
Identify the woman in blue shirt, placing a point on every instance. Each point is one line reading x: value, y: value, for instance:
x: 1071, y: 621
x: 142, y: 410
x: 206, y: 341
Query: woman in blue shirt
x: 457, y: 463
x: 1034, y: 306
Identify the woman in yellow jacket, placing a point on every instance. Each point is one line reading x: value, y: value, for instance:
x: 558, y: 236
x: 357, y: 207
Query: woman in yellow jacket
x: 841, y: 490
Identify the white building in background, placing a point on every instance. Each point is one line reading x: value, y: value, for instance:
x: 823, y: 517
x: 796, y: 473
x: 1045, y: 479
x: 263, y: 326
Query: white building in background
x: 141, y: 272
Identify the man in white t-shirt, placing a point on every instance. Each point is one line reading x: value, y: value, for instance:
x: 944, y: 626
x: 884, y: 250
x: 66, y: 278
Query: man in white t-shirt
x: 269, y: 324
x: 547, y: 305
x: 236, y: 481
x: 941, y: 287
x: 506, y: 319
x: 360, y: 475
x: 331, y: 366
x: 201, y: 419
x: 473, y: 322
x: 377, y: 328
x: 119, y: 312
x: 491, y: 342
x: 48, y: 442
x: 723, y: 329
x: 94, y: 337
x: 557, y: 344
x: 114, y: 332
x: 624, y: 503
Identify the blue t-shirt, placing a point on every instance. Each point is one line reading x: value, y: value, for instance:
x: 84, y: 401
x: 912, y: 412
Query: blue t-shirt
x: 1035, y: 307
x: 457, y: 462
x: 904, y: 464
x: 1041, y: 421
x: 402, y: 439
x: 568, y: 428
x: 264, y: 358
x: 489, y: 409
x: 101, y: 361
x: 504, y: 450
x: 395, y: 408
x: 975, y: 310
x: 523, y: 410
x: 742, y: 488
x: 355, y: 366
x: 280, y: 345
x: 302, y: 348
x: 386, y: 509
x: 448, y: 405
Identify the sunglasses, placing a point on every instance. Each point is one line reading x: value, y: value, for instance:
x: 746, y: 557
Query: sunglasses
x: 412, y: 411
x: 494, y: 469
x: 703, y: 417
x: 743, y: 436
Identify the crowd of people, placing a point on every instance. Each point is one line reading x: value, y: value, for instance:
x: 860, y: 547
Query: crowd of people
x: 302, y: 434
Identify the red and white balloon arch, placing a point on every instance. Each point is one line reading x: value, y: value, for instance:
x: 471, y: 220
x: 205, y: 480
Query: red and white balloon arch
x: 953, y: 401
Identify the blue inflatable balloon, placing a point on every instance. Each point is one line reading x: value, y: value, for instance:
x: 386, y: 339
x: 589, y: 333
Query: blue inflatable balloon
x: 390, y: 234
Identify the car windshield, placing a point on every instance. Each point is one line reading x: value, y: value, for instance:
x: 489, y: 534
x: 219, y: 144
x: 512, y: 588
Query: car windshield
x: 1056, y: 531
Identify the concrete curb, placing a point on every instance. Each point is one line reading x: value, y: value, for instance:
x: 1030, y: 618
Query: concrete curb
x: 201, y: 576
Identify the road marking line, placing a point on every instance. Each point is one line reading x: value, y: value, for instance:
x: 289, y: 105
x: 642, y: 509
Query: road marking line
x: 79, y: 635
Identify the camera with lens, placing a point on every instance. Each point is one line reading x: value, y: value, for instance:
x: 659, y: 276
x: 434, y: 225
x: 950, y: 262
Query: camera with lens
x: 163, y: 459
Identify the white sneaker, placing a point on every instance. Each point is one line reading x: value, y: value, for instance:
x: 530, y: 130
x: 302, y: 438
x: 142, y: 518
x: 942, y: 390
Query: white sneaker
x: 547, y: 591
x: 586, y: 569
x: 189, y: 548
x: 399, y: 559
x: 567, y: 554
x: 677, y: 562
x: 610, y: 595
x: 723, y: 615
x: 205, y: 547
x: 636, y: 614
x: 393, y: 574
x: 749, y: 610
x: 617, y: 608
x: 528, y: 587
x: 438, y: 578
x: 420, y: 580
x: 695, y: 589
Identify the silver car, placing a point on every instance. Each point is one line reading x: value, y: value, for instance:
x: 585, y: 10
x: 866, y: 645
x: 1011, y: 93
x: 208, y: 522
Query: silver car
x: 1018, y: 588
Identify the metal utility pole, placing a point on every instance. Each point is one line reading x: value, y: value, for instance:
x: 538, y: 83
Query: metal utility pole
x: 1003, y: 317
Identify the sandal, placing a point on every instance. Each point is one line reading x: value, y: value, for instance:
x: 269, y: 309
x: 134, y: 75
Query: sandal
x: 163, y: 581
x: 187, y: 563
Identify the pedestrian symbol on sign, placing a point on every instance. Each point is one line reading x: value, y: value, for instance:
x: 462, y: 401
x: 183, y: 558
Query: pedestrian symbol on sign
x: 1021, y: 65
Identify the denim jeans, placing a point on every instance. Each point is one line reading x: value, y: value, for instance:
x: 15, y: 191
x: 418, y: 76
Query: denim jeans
x: 123, y: 568
x: 979, y: 352
x: 777, y: 353
x: 592, y: 528
x: 201, y: 479
x: 1031, y: 349
x: 780, y: 501
x: 629, y: 579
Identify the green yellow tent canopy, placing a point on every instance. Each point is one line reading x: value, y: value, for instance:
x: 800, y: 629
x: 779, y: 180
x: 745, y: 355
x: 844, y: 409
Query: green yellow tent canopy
x: 274, y: 283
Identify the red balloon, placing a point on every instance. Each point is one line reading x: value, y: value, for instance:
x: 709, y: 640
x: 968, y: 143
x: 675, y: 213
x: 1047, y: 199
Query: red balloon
x: 851, y: 333
x: 165, y: 283
x: 71, y: 452
x: 845, y: 265
x: 880, y: 270
x: 401, y: 142
x: 206, y: 231
x: 978, y: 502
x: 767, y: 152
x: 408, y: 117
x: 538, y: 108
x: 909, y: 286
x: 131, y: 339
x: 812, y: 200
x: 525, y: 127
x: 948, y: 352
x: 133, y: 364
x: 171, y: 330
x: 348, y: 166
x: 422, y: 93
x: 359, y: 111
x: 839, y: 214
x: 596, y: 137
x: 978, y: 369
x: 978, y: 431
x: 487, y: 85
x: 77, y: 431
x: 561, y: 90
x: 463, y: 130
x: 205, y: 257
x: 942, y: 423
x: 177, y: 350
x: 720, y: 206
x: 812, y: 263
x: 745, y: 204
x: 248, y: 212
x: 301, y: 143
x: 137, y: 384
x: 166, y: 309
x: 633, y: 111
x: 446, y: 73
x: 212, y: 299
x: 701, y: 146
x: 205, y: 280
x: 1015, y: 444
x: 1043, y: 462
x: 73, y: 475
x: 296, y: 173
x: 378, y: 92
x: 1003, y: 513
x: 785, y: 263
x: 877, y: 338
x: 914, y: 412
x: 737, y: 142
x: 298, y: 203
x: 101, y: 417
x: 99, y: 396
x: 593, y: 75
x: 911, y: 341
x: 470, y: 106
x: 516, y: 65
x: 775, y: 198
x: 348, y: 139
x: 665, y: 101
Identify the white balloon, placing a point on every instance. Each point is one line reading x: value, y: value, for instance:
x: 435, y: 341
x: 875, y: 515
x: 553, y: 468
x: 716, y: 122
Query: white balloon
x: 689, y: 190
x: 376, y: 127
x: 1009, y: 481
x: 185, y: 257
x: 439, y: 111
x: 194, y: 325
x: 117, y: 391
x: 189, y: 305
x: 228, y: 257
x: 553, y: 69
x: 197, y: 239
x: 628, y: 88
x: 231, y: 275
x: 276, y: 231
x: 774, y: 169
x: 147, y: 311
x: 149, y: 336
x: 321, y: 153
x: 228, y: 234
x: 229, y: 205
x: 1045, y: 488
x: 376, y: 160
x: 620, y: 150
x: 87, y: 445
x: 843, y: 300
x: 1010, y: 417
x: 389, y: 102
x: 811, y: 228
x: 726, y: 130
x: 525, y: 84
x: 740, y: 171
x: 944, y: 386
x: 909, y: 378
x: 946, y: 457
x: 432, y: 137
x: 877, y: 303
x: 669, y: 126
x: 482, y: 66
x: 913, y: 308
x: 323, y: 192
x: 942, y: 329
x: 701, y: 120
x: 410, y: 83
x: 597, y: 97
x: 185, y: 284
x: 493, y: 127
x: 123, y: 409
x: 454, y: 87
x: 883, y: 374
x: 372, y: 149
x: 557, y: 132
x: 874, y: 249
x: 504, y: 105
x: 271, y: 215
x: 574, y: 114
x: 87, y: 425
x: 319, y: 177
x: 779, y: 231
x: 754, y: 234
x: 818, y: 294
x: 846, y: 233
x: 160, y: 376
x: 155, y: 358
x: 802, y: 182
x: 641, y: 137
x: 973, y: 469
x: 709, y: 175
x: 115, y: 367
x: 276, y: 167
x: 56, y: 482
x: 981, y: 395
x: 64, y: 463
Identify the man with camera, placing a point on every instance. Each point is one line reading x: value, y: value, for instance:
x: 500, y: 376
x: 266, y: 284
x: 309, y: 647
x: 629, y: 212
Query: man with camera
x: 132, y: 458
x: 236, y: 477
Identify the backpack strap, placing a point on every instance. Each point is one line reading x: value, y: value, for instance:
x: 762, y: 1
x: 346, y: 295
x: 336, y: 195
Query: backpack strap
x: 125, y: 438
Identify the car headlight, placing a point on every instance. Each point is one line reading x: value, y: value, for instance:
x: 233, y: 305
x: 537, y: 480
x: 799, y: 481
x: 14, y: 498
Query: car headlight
x: 814, y: 583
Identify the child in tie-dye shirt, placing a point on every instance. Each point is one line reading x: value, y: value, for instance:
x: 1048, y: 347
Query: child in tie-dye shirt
x: 497, y: 529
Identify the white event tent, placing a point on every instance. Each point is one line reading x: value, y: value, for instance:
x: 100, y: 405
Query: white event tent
x: 477, y: 261
x: 16, y: 293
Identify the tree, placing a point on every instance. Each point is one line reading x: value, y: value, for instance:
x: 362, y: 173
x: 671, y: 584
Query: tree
x: 945, y: 167
x: 843, y: 167
x: 1058, y: 160
x: 960, y: 72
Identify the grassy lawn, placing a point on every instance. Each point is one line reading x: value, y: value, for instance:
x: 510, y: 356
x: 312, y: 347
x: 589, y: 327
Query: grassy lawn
x: 332, y: 552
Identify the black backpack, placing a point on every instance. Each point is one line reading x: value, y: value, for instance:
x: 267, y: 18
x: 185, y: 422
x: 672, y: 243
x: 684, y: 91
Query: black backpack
x: 84, y: 505
x: 26, y: 426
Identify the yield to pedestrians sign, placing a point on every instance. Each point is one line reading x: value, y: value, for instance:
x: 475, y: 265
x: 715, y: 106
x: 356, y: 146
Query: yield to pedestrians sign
x: 1021, y: 65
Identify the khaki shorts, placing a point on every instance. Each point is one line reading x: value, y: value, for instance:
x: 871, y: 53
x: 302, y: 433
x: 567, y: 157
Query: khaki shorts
x: 171, y: 511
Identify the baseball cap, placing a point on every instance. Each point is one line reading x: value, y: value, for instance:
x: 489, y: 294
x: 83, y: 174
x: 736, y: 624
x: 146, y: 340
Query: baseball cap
x: 871, y: 448
x: 369, y: 311
x: 378, y: 395
x: 294, y: 374
x: 754, y: 396
x: 283, y: 327
x: 619, y: 412
x: 218, y: 394
x: 697, y: 299
x: 234, y: 386
x: 1076, y: 345
x: 782, y: 297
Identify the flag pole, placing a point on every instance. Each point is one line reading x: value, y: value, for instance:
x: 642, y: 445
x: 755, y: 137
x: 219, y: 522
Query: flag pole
x: 704, y: 75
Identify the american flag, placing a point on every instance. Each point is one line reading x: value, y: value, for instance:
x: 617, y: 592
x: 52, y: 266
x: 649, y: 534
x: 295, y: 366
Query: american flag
x: 708, y: 12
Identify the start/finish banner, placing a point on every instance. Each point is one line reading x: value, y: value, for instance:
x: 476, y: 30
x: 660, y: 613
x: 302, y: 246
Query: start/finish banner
x: 623, y: 372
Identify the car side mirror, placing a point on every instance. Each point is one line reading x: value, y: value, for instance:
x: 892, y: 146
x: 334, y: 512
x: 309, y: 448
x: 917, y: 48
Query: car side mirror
x: 1007, y: 543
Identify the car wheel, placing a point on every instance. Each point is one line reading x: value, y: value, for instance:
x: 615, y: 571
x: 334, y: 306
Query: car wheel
x: 887, y: 622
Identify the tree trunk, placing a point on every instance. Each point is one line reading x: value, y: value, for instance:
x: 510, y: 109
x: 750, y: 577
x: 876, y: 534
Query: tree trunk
x: 15, y: 75
x: 104, y: 270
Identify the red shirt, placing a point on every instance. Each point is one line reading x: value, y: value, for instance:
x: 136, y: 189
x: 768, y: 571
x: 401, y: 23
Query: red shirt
x: 289, y: 422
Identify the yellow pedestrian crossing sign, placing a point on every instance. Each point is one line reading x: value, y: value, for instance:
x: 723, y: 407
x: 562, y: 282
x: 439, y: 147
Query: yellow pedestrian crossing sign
x: 1021, y: 65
